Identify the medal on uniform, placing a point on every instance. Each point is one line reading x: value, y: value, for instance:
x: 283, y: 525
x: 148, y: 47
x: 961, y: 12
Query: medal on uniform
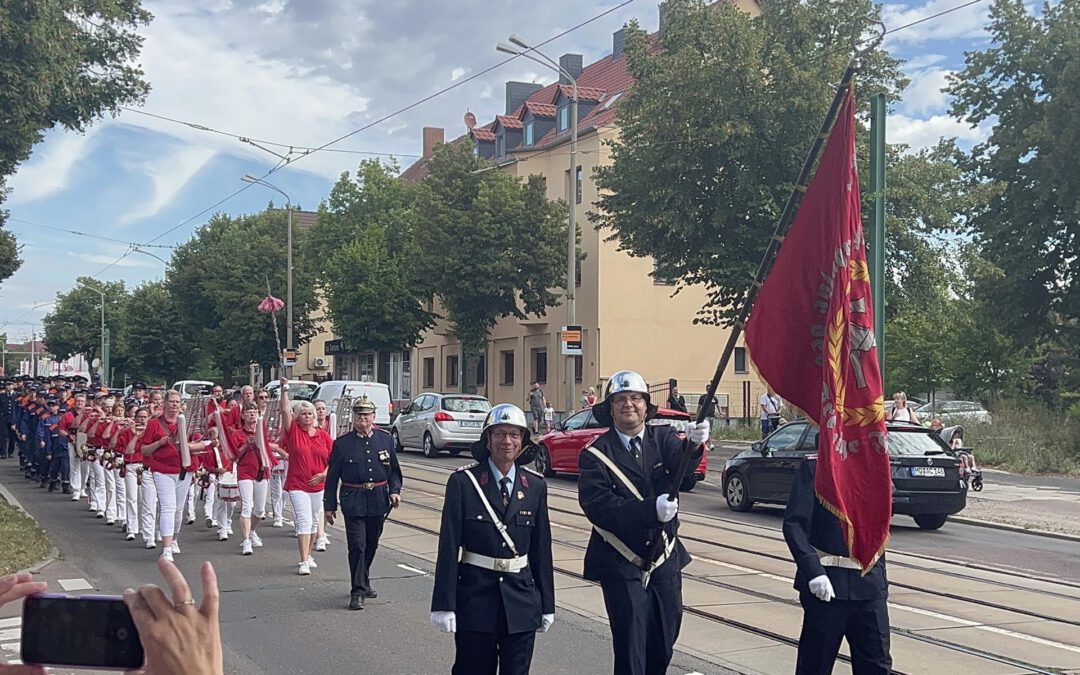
x: 520, y: 495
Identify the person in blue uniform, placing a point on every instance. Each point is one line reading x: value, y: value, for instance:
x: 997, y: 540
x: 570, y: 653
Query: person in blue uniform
x: 364, y: 464
x: 838, y: 601
x: 9, y: 442
x: 623, y: 489
x: 494, y: 575
x: 48, y: 438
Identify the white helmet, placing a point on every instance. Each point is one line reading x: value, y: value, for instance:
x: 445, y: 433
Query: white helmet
x: 505, y: 413
x: 622, y: 382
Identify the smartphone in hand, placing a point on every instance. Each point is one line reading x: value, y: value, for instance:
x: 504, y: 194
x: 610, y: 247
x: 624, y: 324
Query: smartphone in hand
x: 89, y: 631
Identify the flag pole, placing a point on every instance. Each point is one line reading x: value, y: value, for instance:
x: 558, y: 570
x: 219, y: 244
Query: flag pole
x: 782, y: 227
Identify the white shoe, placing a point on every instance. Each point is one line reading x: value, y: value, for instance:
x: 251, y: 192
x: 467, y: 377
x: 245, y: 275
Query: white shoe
x: 130, y: 536
x: 110, y: 522
x: 255, y: 541
x: 167, y: 555
x: 100, y: 514
x: 278, y: 523
x: 210, y: 524
x: 150, y: 544
x: 174, y: 547
x: 191, y: 521
x: 228, y: 531
x: 222, y: 535
x: 311, y: 562
x: 320, y: 544
x: 245, y: 547
x: 303, y: 569
x: 75, y: 496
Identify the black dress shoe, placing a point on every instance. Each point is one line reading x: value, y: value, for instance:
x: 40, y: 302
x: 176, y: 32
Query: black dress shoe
x: 356, y: 602
x: 371, y: 593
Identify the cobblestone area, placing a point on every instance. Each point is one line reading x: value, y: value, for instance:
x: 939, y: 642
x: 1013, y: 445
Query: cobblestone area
x: 1042, y: 514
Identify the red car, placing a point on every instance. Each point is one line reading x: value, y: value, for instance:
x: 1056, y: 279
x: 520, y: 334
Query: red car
x: 559, y: 449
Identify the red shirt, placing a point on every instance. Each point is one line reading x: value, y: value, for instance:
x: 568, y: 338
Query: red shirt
x: 122, y: 440
x: 67, y: 423
x: 242, y: 445
x: 308, y: 456
x: 167, y: 457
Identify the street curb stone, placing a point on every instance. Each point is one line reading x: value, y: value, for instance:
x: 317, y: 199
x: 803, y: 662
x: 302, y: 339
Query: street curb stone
x: 1014, y: 528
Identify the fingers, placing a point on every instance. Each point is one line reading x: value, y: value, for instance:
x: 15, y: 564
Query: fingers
x: 155, y: 599
x: 178, y: 585
x: 22, y: 670
x: 141, y: 613
x: 211, y: 595
x: 18, y: 586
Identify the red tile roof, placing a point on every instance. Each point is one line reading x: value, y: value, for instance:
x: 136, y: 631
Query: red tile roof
x: 509, y: 121
x: 483, y: 133
x: 537, y: 109
x: 584, y: 93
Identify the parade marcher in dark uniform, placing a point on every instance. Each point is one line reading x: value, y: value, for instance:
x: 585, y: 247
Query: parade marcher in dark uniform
x: 55, y: 451
x: 365, y: 463
x: 623, y: 490
x: 9, y: 441
x: 494, y: 579
x: 838, y: 600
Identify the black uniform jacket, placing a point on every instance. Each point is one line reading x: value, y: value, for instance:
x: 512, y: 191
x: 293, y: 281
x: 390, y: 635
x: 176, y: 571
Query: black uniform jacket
x: 473, y: 592
x: 355, y: 459
x: 808, y: 526
x: 608, y: 504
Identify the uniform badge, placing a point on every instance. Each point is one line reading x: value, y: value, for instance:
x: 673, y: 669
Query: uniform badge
x: 524, y: 481
x: 484, y: 478
x: 520, y: 495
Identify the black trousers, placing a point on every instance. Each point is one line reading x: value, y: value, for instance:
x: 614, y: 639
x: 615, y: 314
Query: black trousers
x: 9, y: 442
x: 58, y: 467
x: 865, y: 624
x: 489, y: 653
x: 362, y: 535
x: 644, y: 622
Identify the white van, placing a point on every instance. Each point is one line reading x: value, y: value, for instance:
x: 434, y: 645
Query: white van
x: 189, y: 388
x: 379, y: 393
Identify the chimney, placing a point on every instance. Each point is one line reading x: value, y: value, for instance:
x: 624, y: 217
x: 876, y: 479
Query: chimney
x: 517, y: 92
x: 618, y: 42
x: 663, y: 11
x: 571, y: 63
x: 432, y: 137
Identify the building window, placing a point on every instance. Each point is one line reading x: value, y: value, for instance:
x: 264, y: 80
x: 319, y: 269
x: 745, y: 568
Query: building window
x: 740, y: 360
x: 529, y: 133
x: 564, y: 117
x: 539, y: 366
x: 500, y: 145
x: 476, y: 149
x: 452, y: 371
x: 429, y: 373
x: 508, y: 367
x: 481, y: 370
x: 367, y: 367
x: 577, y: 187
x: 579, y: 366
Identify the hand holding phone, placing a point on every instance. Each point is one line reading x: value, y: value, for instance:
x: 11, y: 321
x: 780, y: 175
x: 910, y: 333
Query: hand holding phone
x: 89, y: 631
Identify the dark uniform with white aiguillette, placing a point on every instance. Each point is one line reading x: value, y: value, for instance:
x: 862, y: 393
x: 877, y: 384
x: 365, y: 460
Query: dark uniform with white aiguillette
x: 646, y: 644
x: 859, y: 611
x: 498, y: 612
x: 368, y: 470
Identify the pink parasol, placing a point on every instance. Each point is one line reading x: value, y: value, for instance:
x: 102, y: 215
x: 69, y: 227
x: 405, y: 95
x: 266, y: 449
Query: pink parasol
x: 271, y: 305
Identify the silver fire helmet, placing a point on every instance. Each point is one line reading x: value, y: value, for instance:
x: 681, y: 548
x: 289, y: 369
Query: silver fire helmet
x: 624, y: 381
x: 505, y: 413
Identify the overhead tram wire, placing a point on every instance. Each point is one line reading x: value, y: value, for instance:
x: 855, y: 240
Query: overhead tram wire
x: 79, y: 233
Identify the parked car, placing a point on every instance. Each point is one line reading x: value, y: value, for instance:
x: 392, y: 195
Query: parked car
x: 925, y: 472
x: 379, y: 393
x: 189, y: 388
x: 560, y: 448
x: 299, y: 390
x: 954, y: 412
x: 434, y: 422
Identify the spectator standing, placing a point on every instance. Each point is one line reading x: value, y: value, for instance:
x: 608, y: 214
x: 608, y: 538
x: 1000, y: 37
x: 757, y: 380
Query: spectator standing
x: 537, y: 403
x: 900, y: 411
x: 676, y: 401
x: 770, y: 405
x: 549, y: 417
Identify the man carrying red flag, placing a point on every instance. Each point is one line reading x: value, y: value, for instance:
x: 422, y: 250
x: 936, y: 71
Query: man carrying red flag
x: 811, y: 336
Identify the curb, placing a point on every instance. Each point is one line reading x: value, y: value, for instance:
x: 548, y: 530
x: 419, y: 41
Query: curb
x: 1014, y: 528
x: 53, y: 554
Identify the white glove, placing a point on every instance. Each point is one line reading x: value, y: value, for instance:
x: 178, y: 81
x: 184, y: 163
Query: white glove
x: 822, y: 588
x: 700, y: 433
x: 666, y: 510
x: 546, y: 622
x: 445, y: 622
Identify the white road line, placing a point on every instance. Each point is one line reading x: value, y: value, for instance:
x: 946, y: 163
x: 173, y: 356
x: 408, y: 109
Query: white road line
x: 10, y: 634
x: 13, y: 621
x: 10, y: 646
x: 989, y: 629
x: 75, y: 584
x: 413, y: 570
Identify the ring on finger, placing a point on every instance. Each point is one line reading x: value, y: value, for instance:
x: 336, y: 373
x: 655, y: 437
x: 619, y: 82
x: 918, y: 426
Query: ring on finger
x: 189, y: 601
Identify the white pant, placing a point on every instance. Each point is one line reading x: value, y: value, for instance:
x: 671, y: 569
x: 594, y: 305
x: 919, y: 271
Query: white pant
x: 130, y: 506
x: 114, y: 493
x: 277, y: 491
x: 171, y: 495
x: 210, y: 499
x: 148, y: 506
x: 223, y: 514
x: 252, y: 498
x: 192, y: 493
x: 305, y: 506
x: 97, y: 486
x: 75, y: 469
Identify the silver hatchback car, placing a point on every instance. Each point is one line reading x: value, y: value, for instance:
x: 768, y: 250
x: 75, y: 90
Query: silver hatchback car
x: 435, y: 422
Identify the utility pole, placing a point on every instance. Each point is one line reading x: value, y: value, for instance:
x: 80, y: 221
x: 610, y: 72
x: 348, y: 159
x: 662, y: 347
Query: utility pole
x: 876, y: 252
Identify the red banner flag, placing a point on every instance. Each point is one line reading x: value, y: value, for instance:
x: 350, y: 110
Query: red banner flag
x: 811, y: 336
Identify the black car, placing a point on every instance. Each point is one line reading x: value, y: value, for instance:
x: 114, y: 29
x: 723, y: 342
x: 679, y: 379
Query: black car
x: 925, y: 472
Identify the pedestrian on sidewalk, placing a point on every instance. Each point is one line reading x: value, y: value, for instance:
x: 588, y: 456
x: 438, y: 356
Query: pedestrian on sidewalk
x: 364, y: 462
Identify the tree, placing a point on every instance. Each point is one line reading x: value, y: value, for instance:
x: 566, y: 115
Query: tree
x: 363, y: 249
x: 713, y: 132
x: 1027, y: 86
x: 491, y: 245
x: 66, y: 63
x: 74, y: 325
x: 154, y: 337
x: 218, y: 279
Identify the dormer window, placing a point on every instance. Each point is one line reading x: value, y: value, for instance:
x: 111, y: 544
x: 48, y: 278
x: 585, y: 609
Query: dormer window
x: 529, y: 132
x: 500, y: 145
x: 564, y: 117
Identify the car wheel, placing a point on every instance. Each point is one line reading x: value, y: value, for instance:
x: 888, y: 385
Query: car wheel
x: 397, y: 440
x: 736, y: 494
x: 687, y: 485
x: 930, y: 521
x: 543, y: 462
x: 429, y: 446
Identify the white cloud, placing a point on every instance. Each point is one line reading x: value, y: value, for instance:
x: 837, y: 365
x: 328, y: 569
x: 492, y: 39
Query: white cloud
x: 923, y: 133
x: 104, y: 259
x: 169, y: 175
x: 925, y: 95
x: 457, y: 73
x: 966, y: 23
x: 50, y: 168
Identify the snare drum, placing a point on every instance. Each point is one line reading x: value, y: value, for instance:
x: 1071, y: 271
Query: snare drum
x: 280, y: 469
x: 227, y: 488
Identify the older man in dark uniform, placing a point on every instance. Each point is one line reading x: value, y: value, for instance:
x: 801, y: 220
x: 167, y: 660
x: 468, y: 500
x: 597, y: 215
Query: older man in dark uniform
x: 623, y: 488
x: 494, y: 579
x: 365, y: 463
x: 838, y: 600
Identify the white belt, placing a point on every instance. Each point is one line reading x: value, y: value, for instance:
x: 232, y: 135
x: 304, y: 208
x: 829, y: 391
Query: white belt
x: 497, y: 564
x: 632, y: 557
x: 829, y: 560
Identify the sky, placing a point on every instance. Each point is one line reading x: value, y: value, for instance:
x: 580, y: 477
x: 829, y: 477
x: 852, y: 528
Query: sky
x: 302, y: 73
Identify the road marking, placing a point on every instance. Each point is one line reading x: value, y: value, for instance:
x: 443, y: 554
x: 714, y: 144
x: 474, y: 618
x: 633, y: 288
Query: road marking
x: 10, y: 647
x: 413, y: 569
x: 75, y: 584
x: 989, y: 629
x: 10, y: 634
x: 13, y: 621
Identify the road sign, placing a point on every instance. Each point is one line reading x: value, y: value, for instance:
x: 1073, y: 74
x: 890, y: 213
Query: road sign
x: 570, y: 340
x: 288, y: 357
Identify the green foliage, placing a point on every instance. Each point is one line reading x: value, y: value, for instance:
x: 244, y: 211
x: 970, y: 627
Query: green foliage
x: 218, y: 279
x: 363, y: 249
x: 716, y: 128
x: 74, y: 325
x: 154, y: 338
x: 1027, y: 85
x: 1028, y: 437
x: 66, y: 63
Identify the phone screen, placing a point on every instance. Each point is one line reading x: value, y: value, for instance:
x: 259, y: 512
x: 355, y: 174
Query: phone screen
x: 89, y: 631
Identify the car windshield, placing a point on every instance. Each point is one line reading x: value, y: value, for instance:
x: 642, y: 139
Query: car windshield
x: 466, y: 405
x: 681, y: 424
x: 301, y: 391
x: 914, y: 443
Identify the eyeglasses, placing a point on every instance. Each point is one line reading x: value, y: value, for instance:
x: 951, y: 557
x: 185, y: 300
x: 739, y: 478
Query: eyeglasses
x: 263, y: 398
x: 500, y: 435
x: 620, y: 399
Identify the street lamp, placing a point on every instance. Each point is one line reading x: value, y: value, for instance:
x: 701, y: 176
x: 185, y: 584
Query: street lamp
x: 521, y: 48
x: 101, y: 354
x: 248, y: 178
x: 136, y: 249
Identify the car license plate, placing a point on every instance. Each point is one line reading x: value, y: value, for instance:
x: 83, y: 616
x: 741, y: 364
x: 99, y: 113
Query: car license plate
x: 476, y: 425
x: 928, y: 471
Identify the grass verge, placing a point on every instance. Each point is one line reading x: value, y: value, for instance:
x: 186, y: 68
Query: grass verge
x: 22, y: 542
x: 1028, y: 438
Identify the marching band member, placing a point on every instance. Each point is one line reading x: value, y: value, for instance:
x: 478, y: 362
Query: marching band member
x: 148, y: 496
x: 115, y: 492
x: 322, y: 420
x: 92, y: 426
x: 48, y: 441
x: 254, y: 459
x: 226, y: 489
x: 69, y: 434
x: 126, y: 443
x: 306, y: 447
